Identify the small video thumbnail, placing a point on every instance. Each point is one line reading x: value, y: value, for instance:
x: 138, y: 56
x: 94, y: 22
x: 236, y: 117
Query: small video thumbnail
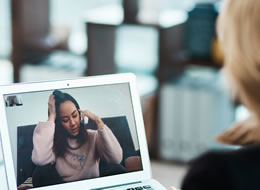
x: 14, y: 100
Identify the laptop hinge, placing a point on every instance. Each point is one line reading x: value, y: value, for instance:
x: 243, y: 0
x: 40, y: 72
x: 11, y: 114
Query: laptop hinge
x: 113, y: 186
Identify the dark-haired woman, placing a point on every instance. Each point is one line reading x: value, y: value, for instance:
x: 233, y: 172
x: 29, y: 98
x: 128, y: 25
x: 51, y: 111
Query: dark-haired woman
x: 64, y: 140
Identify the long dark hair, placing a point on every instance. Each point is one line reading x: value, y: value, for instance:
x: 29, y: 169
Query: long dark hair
x: 61, y: 135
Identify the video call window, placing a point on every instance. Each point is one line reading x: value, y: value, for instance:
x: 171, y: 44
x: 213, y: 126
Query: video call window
x: 86, y: 129
x: 11, y: 101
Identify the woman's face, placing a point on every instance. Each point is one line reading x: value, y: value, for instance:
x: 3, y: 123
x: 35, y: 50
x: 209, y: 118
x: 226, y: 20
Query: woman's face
x: 70, y: 118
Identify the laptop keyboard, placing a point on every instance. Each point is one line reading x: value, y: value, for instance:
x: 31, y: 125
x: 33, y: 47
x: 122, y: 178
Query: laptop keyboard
x: 146, y: 187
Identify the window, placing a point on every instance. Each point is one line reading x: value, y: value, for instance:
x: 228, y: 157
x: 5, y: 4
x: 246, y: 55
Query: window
x: 5, y: 29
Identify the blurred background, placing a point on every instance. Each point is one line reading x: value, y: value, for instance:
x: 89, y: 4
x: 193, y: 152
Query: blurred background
x: 170, y: 45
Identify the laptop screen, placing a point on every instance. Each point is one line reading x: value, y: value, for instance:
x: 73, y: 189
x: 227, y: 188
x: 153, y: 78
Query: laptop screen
x: 72, y: 134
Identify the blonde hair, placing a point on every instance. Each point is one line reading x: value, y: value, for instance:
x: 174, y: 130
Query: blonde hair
x: 238, y: 30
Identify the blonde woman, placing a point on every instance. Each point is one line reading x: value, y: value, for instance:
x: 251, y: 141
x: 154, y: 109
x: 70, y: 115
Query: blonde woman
x: 239, y: 33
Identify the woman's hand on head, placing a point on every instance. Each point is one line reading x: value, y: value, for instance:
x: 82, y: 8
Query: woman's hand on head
x: 242, y: 133
x: 92, y: 116
x: 51, y: 108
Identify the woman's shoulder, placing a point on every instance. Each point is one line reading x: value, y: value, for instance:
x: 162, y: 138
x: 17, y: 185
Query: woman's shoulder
x: 222, y: 156
x: 224, y: 166
x: 204, y: 171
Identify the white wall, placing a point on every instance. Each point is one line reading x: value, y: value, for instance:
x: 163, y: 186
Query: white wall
x: 105, y: 101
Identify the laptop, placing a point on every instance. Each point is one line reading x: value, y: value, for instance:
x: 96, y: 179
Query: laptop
x: 115, y: 154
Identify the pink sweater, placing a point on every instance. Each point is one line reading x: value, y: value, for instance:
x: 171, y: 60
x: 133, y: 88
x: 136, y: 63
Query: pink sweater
x: 81, y: 163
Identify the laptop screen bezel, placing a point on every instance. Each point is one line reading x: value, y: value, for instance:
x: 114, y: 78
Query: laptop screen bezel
x: 101, y: 182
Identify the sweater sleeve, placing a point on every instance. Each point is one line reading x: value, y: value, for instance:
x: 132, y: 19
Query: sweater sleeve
x: 43, y: 136
x: 108, y: 146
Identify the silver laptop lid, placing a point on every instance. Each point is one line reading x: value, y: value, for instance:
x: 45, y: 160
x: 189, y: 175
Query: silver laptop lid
x: 112, y: 98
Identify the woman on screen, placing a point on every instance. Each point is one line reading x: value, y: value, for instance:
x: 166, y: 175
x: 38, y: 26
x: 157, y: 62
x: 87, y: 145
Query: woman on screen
x: 65, y: 142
